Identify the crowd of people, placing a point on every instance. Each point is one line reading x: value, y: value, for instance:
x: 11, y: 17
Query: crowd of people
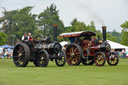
x: 6, y: 53
x: 122, y: 53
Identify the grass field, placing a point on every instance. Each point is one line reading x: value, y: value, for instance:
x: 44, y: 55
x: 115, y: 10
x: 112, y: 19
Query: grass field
x: 68, y: 75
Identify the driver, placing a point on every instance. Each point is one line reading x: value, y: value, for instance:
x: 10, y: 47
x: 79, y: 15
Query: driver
x: 25, y: 36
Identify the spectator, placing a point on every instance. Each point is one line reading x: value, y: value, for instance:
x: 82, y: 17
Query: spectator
x: 123, y: 54
x: 9, y: 53
x: 3, y: 53
x: 127, y: 54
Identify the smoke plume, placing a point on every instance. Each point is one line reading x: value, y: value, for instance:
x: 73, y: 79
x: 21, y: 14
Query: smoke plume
x: 90, y: 11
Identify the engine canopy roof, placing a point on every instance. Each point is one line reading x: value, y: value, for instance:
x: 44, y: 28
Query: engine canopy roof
x: 78, y: 34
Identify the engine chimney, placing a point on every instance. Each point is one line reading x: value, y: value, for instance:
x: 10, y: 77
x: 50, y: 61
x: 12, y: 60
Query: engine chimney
x: 55, y: 31
x: 104, y: 32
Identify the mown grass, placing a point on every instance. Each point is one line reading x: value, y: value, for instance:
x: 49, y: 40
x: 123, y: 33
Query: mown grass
x: 67, y: 75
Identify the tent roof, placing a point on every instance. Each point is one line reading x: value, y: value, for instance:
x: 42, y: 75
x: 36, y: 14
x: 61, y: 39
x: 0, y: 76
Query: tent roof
x: 7, y: 46
x: 115, y: 45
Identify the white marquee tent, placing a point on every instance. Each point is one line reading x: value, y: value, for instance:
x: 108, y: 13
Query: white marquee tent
x: 115, y: 45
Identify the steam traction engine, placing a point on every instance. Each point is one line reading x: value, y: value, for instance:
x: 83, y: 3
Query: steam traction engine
x: 39, y: 51
x: 83, y: 48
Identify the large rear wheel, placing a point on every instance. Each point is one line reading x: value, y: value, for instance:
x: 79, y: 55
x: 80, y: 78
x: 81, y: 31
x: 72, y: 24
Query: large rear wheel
x: 113, y: 59
x: 99, y: 59
x: 21, y: 55
x: 73, y: 54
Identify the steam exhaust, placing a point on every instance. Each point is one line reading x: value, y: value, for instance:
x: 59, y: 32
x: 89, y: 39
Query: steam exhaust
x: 104, y: 32
x: 55, y: 31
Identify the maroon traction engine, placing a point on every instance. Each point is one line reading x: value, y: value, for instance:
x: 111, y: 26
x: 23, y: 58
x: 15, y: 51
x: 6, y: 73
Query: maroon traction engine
x: 84, y: 48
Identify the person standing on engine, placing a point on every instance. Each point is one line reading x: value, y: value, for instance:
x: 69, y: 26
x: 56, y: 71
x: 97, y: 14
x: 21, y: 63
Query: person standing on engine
x: 25, y: 36
x: 30, y: 36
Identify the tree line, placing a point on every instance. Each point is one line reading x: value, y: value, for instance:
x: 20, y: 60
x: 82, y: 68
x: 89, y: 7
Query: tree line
x: 16, y: 22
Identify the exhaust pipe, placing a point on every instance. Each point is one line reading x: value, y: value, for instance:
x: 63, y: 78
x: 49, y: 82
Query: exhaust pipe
x: 104, y: 32
x: 55, y: 31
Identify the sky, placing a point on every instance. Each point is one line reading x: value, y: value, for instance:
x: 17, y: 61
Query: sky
x: 111, y: 13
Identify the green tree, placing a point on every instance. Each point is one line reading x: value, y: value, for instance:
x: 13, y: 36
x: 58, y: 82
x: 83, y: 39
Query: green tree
x: 124, y: 37
x: 47, y: 18
x: 3, y: 38
x: 117, y: 36
x: 80, y: 26
x: 110, y: 37
x: 16, y: 22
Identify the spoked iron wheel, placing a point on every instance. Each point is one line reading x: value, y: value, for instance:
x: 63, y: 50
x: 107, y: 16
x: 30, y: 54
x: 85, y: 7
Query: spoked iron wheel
x: 88, y: 62
x: 60, y: 61
x: 43, y: 59
x: 21, y: 55
x: 113, y: 59
x: 99, y: 59
x: 73, y: 54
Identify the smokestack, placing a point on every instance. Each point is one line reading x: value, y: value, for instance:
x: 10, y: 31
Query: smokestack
x: 104, y: 32
x: 55, y: 31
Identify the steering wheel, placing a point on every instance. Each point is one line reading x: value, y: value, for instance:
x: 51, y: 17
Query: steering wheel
x: 39, y: 37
